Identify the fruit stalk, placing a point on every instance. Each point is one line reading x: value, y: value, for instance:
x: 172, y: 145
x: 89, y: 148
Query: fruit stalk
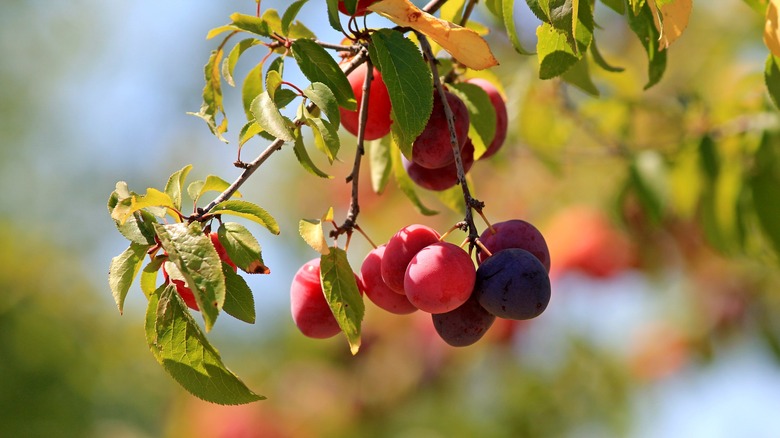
x: 354, y: 176
x: 471, y: 203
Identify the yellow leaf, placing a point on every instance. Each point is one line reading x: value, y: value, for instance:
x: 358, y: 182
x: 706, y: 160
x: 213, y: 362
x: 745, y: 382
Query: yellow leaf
x: 672, y: 19
x: 465, y: 45
x: 772, y: 27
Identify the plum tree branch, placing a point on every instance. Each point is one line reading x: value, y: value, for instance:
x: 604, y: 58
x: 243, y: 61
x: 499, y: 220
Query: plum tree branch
x: 471, y: 202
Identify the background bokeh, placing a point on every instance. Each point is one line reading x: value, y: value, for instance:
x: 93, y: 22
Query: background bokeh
x: 657, y: 327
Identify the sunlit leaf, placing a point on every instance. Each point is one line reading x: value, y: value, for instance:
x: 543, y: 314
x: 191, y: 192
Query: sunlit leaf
x: 326, y: 137
x: 313, y: 234
x: 465, y: 45
x: 229, y: 64
x: 244, y: 23
x: 269, y: 118
x: 251, y: 89
x: 153, y: 198
x: 212, y: 183
x: 247, y: 210
x: 177, y: 343
x: 342, y: 294
x: 175, y: 185
x: 242, y: 248
x: 149, y: 275
x: 671, y: 18
x: 123, y: 270
x: 212, y: 97
x: 138, y: 227
x: 192, y: 252
x: 249, y: 131
x: 380, y: 162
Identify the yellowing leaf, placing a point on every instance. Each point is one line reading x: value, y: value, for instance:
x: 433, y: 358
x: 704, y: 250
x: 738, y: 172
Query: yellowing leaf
x: 772, y: 27
x: 671, y: 19
x: 463, y: 44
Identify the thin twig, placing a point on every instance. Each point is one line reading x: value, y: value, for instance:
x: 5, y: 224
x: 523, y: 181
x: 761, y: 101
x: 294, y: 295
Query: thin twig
x: 354, y: 176
x: 471, y: 203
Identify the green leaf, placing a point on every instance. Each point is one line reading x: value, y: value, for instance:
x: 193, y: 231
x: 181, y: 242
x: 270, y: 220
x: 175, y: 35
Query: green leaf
x: 149, y: 275
x: 381, y: 163
x: 333, y: 15
x: 123, y: 270
x: 326, y: 137
x: 178, y: 343
x: 482, y: 114
x: 618, y: 6
x: 229, y: 64
x: 192, y: 252
x: 313, y: 234
x: 212, y: 183
x: 409, y: 83
x: 318, y: 66
x: 303, y: 157
x: 772, y: 78
x: 709, y: 159
x: 579, y: 76
x: 212, y: 97
x: 290, y: 14
x: 325, y: 100
x: 284, y: 96
x: 600, y: 61
x: 763, y: 185
x: 239, y: 301
x: 269, y: 118
x: 242, y: 248
x: 407, y: 185
x: 643, y: 26
x: 253, y: 86
x: 342, y: 294
x: 175, y: 184
x: 508, y: 15
x: 451, y: 10
x: 243, y: 23
x: 247, y: 210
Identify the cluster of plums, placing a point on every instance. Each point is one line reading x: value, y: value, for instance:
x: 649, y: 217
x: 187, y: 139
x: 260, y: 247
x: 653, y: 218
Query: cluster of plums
x: 416, y: 270
x: 432, y: 164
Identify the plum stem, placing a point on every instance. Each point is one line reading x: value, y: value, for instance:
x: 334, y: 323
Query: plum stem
x: 470, y: 202
x: 354, y: 177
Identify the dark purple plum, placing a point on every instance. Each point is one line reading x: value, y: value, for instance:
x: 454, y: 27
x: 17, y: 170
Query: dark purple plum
x: 513, y: 284
x: 515, y: 233
x: 465, y: 325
